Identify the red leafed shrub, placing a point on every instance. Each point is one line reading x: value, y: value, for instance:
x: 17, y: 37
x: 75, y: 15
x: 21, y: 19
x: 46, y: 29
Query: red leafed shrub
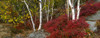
x: 56, y: 24
x: 62, y: 28
x: 76, y: 28
x: 89, y: 9
x: 97, y: 5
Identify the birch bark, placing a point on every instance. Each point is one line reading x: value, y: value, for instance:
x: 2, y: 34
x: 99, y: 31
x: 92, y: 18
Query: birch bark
x: 73, y: 10
x: 78, y: 9
x: 30, y: 15
x: 40, y: 14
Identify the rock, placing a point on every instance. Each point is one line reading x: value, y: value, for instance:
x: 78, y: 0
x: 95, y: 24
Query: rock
x: 94, y: 17
x: 19, y: 36
x: 97, y: 0
x: 38, y: 34
x: 92, y: 25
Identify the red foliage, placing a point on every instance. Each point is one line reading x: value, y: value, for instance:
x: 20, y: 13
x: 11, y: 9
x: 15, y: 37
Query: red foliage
x: 97, y: 5
x: 75, y: 28
x: 56, y: 24
x: 89, y: 9
x: 62, y: 28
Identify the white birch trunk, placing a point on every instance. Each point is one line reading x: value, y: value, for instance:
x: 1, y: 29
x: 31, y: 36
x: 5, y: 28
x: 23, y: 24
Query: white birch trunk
x: 78, y: 9
x: 52, y: 9
x: 40, y: 14
x: 73, y: 10
x: 30, y: 15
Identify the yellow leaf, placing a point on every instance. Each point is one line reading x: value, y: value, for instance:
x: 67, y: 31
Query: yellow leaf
x: 14, y: 17
x: 21, y: 17
x: 11, y: 20
x: 6, y: 7
x: 9, y: 12
x: 28, y: 16
x: 5, y: 13
x: 21, y: 21
x: 16, y: 20
x: 5, y: 17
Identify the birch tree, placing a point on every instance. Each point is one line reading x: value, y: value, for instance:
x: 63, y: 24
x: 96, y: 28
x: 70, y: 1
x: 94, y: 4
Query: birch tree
x: 45, y: 3
x: 30, y: 15
x: 78, y: 9
x: 45, y: 6
x: 72, y: 9
x: 52, y: 8
x: 40, y: 14
x: 67, y: 7
x: 48, y: 11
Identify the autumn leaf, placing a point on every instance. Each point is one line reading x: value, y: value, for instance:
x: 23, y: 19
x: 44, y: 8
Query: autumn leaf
x: 21, y: 21
x: 11, y: 20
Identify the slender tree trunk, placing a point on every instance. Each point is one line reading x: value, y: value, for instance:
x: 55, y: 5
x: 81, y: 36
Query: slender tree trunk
x: 67, y: 8
x: 48, y: 11
x: 52, y: 9
x: 78, y: 9
x: 45, y: 7
x: 30, y: 15
x: 73, y: 3
x: 40, y: 14
x: 73, y: 10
